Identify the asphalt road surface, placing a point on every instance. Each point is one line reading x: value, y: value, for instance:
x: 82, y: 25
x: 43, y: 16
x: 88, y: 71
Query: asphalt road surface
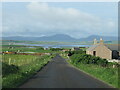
x: 59, y: 74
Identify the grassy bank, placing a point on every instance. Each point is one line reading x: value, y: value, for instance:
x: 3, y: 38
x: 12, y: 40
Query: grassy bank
x: 18, y: 68
x: 108, y: 75
x: 95, y: 66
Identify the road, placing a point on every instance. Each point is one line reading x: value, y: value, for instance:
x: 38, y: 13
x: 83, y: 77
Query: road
x: 59, y: 74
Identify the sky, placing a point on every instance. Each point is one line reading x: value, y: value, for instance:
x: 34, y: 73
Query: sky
x: 76, y: 19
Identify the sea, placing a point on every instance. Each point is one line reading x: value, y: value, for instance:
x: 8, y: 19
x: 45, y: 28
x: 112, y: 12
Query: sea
x: 54, y: 46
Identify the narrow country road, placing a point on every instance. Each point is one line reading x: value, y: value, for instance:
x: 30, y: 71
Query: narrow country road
x: 59, y: 74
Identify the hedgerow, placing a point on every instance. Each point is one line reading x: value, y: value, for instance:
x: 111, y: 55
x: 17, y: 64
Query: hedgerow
x: 80, y: 57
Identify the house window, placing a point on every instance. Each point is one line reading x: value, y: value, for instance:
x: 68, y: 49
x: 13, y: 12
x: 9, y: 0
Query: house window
x: 94, y: 53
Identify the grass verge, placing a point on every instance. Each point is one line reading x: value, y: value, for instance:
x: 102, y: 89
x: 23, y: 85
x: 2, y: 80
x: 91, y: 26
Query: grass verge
x: 107, y: 75
x: 28, y: 65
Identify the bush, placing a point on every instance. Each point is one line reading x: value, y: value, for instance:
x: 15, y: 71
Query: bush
x: 110, y: 64
x: 56, y: 49
x: 102, y: 62
x: 88, y: 59
x: 70, y: 53
x: 40, y: 48
x: 78, y: 52
x: 9, y: 69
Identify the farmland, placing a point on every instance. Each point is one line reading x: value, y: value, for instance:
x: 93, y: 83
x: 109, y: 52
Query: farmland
x: 18, y: 68
x: 22, y: 48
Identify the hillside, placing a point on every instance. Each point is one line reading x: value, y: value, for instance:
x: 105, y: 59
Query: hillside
x: 61, y: 38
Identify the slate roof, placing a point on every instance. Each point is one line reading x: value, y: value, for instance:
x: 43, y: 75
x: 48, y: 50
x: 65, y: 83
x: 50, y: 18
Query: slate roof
x: 113, y: 46
x: 110, y: 46
x: 77, y: 48
x: 92, y: 47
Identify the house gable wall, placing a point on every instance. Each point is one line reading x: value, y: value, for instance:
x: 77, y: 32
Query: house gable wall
x: 101, y: 51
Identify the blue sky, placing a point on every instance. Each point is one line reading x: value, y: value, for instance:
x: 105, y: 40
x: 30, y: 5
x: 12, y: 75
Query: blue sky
x: 78, y: 19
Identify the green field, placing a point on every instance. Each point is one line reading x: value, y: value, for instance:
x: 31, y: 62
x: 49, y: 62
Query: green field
x: 18, y: 68
x: 21, y: 48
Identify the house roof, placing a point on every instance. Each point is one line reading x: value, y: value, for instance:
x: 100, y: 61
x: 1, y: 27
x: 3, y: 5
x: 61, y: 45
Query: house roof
x: 77, y: 48
x: 109, y: 46
x: 92, y: 47
x: 113, y: 46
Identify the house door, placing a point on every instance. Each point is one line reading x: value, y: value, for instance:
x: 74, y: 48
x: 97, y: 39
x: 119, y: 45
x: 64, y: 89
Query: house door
x: 115, y: 54
x: 94, y: 53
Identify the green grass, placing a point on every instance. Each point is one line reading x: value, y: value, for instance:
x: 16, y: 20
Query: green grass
x: 64, y: 55
x: 0, y: 81
x: 22, y: 49
x: 27, y: 49
x: 106, y: 74
x: 28, y: 65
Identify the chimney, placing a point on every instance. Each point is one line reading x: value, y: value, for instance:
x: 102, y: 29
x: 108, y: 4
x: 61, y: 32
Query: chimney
x: 95, y: 41
x: 101, y: 41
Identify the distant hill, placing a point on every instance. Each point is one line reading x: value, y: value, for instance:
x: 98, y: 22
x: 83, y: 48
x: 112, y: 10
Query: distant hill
x: 57, y: 37
x: 92, y: 37
x: 60, y: 38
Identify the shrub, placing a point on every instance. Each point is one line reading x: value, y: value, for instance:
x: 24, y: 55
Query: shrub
x: 70, y: 53
x: 40, y: 48
x: 9, y: 69
x: 110, y: 64
x: 56, y: 49
x: 88, y: 59
x: 102, y: 62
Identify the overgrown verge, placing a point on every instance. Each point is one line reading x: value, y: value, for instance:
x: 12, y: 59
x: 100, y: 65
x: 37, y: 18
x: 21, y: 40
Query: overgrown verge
x: 18, y: 68
x: 95, y: 66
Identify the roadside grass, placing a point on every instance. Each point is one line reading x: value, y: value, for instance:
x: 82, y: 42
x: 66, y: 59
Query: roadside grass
x: 108, y: 75
x: 0, y: 81
x: 27, y: 65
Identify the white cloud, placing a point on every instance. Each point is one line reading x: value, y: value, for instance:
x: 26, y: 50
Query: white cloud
x: 46, y: 20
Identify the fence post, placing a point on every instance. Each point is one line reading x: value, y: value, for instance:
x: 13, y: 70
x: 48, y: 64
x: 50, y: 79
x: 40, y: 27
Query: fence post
x: 9, y: 61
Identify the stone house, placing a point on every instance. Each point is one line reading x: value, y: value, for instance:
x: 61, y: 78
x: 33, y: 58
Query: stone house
x: 64, y: 50
x: 75, y: 49
x: 106, y: 51
x: 46, y: 48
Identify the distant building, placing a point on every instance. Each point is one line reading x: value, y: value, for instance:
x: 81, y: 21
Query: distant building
x: 107, y: 51
x: 46, y: 48
x: 64, y: 50
x: 75, y: 49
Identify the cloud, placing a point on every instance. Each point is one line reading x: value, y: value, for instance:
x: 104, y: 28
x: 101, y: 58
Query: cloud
x: 42, y: 19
